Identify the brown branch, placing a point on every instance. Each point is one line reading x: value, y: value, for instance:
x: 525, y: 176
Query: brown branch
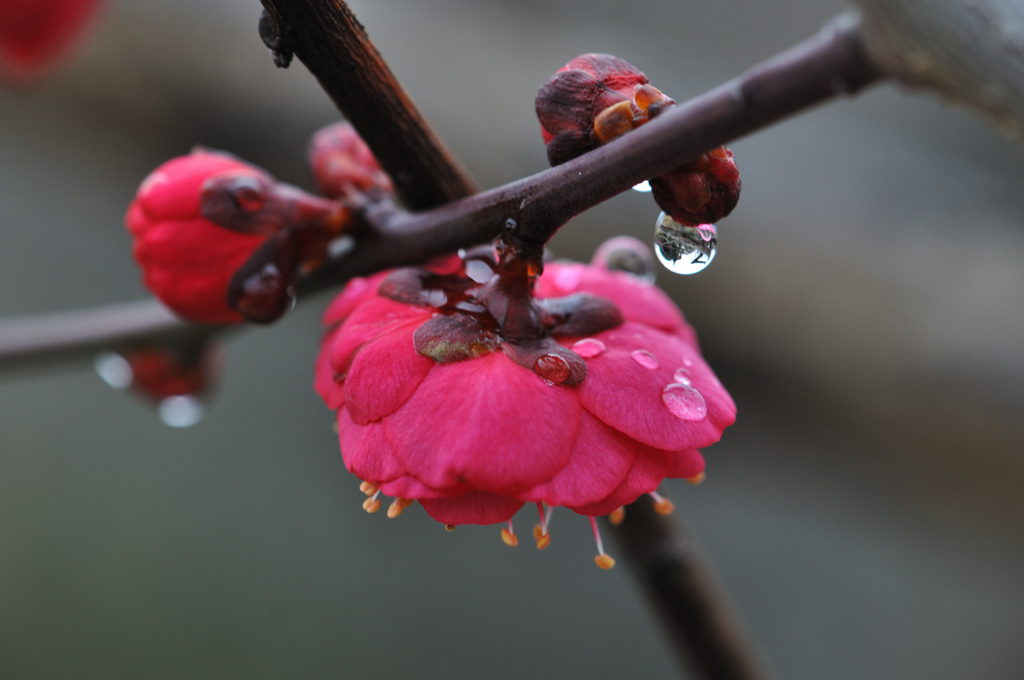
x: 682, y: 585
x: 66, y: 336
x: 829, y: 64
x: 814, y: 71
x: 333, y: 45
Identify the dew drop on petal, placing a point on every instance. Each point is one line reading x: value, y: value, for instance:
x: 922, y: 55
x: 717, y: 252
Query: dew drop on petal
x: 682, y: 376
x: 553, y: 368
x: 645, y: 359
x: 684, y: 402
x: 588, y: 348
x: 114, y: 369
x: 644, y: 187
x: 683, y: 249
x: 181, y: 411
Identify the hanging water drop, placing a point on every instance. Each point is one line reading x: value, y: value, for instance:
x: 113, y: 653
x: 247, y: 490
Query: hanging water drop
x: 644, y: 187
x: 684, y: 402
x: 114, y: 369
x: 683, y: 249
x: 181, y: 411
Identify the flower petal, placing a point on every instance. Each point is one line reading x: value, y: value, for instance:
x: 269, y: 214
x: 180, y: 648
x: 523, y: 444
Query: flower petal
x: 408, y: 486
x: 475, y: 507
x: 600, y: 459
x: 645, y: 475
x: 384, y: 373
x: 356, y: 292
x: 370, y: 320
x: 331, y: 390
x: 638, y: 301
x: 624, y: 389
x: 366, y: 451
x: 488, y: 422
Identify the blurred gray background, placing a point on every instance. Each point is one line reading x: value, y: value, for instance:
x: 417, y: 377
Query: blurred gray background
x: 866, y: 511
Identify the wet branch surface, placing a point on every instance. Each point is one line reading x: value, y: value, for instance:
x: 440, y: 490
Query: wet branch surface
x: 681, y: 585
x: 327, y: 38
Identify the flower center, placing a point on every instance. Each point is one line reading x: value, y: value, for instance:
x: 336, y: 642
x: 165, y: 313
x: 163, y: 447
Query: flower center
x: 484, y: 301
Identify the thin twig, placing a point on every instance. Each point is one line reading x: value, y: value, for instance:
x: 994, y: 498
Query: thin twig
x: 333, y: 45
x: 682, y: 585
x: 64, y: 336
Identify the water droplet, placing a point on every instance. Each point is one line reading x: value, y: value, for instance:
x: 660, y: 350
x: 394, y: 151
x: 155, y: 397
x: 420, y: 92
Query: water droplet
x: 645, y: 359
x: 553, y: 368
x: 687, y: 362
x: 114, y: 369
x: 683, y: 249
x: 684, y: 402
x: 644, y: 187
x: 588, y: 348
x: 682, y: 376
x: 627, y: 254
x: 181, y: 411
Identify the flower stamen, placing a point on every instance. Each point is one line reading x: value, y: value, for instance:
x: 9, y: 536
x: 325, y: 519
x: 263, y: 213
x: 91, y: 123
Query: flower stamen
x: 662, y: 505
x: 397, y: 506
x: 509, y: 536
x: 369, y: 488
x: 617, y: 516
x: 697, y: 479
x: 371, y: 504
x: 601, y: 559
x: 540, y: 532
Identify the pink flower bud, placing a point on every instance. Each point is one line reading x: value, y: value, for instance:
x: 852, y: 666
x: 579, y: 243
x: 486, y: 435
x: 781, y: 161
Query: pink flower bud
x: 702, y: 192
x: 343, y: 165
x: 596, y: 98
x: 36, y: 33
x: 187, y: 260
x: 592, y: 100
x: 220, y: 241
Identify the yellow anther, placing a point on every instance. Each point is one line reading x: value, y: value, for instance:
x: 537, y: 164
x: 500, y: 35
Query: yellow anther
x: 334, y: 426
x: 397, y: 506
x: 696, y: 480
x: 509, y: 538
x: 369, y: 488
x: 604, y: 561
x: 617, y: 516
x: 538, y: 531
x: 614, y: 121
x: 449, y: 527
x: 371, y: 505
x: 664, y: 506
x: 544, y: 541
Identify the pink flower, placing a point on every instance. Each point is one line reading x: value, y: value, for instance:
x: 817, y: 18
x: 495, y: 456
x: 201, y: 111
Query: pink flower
x: 475, y: 438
